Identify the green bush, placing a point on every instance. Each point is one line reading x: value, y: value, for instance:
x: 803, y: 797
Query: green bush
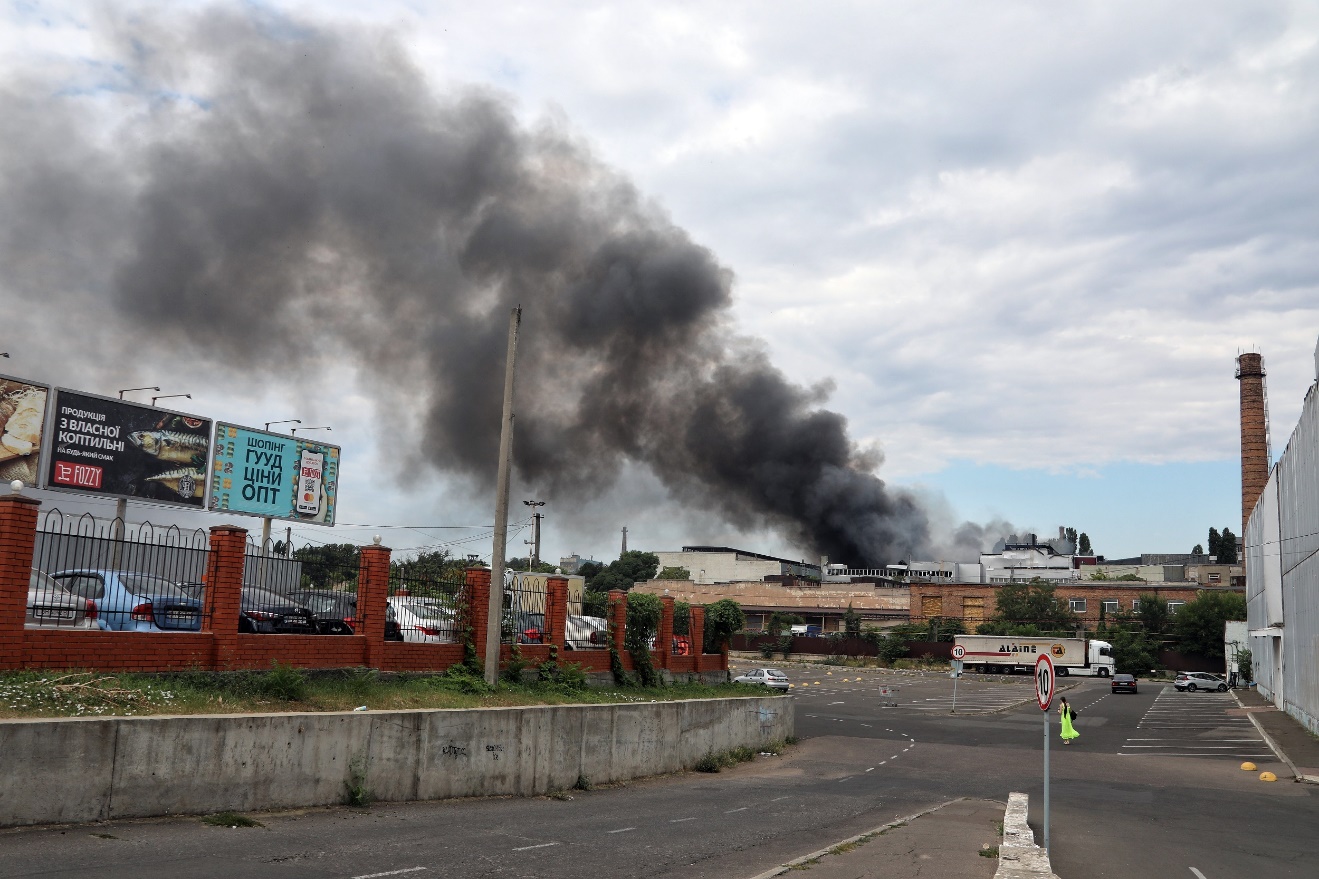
x: 282, y: 682
x: 723, y: 620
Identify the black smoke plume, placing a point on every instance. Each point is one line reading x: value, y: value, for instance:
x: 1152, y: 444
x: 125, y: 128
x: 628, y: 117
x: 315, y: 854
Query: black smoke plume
x: 266, y: 194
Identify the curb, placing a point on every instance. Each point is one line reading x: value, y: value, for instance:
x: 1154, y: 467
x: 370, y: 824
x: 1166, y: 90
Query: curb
x: 1018, y: 856
x: 797, y: 862
x: 1297, y: 775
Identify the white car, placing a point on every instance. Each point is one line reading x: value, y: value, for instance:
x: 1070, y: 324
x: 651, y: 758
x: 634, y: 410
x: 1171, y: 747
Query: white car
x: 425, y: 620
x: 586, y: 633
x: 766, y: 677
x: 1190, y: 681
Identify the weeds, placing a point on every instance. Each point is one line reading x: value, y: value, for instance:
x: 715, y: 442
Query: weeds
x: 583, y: 783
x: 989, y: 851
x: 725, y: 760
x: 356, y: 793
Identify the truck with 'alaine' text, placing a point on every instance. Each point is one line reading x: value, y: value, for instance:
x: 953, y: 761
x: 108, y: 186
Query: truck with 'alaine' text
x: 1008, y: 655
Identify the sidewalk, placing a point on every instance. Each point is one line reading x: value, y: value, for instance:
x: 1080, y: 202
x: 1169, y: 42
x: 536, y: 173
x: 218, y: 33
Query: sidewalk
x: 944, y: 842
x: 1298, y: 748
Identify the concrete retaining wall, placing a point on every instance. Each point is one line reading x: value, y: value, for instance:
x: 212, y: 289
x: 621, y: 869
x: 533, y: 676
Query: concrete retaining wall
x: 1018, y: 855
x: 95, y: 769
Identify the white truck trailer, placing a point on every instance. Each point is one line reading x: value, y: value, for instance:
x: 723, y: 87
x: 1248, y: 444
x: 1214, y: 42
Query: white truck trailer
x: 1008, y: 655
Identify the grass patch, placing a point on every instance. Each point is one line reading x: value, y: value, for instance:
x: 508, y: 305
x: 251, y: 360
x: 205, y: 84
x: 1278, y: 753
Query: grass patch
x: 26, y: 694
x: 231, y: 819
x: 105, y: 836
x: 989, y: 851
x: 725, y: 759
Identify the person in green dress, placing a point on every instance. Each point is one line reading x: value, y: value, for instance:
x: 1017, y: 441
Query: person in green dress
x: 1065, y: 711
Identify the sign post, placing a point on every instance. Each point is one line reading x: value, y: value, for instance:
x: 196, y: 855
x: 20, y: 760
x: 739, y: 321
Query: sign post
x: 1044, y: 696
x: 959, y: 653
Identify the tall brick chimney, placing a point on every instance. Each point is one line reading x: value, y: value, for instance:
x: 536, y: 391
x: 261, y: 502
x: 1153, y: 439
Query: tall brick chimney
x: 1254, y: 432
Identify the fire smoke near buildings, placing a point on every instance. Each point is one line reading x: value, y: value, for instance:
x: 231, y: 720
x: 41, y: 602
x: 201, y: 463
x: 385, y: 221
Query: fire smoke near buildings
x: 281, y: 194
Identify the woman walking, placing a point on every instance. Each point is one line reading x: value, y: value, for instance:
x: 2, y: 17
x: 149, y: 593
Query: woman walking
x: 1068, y: 715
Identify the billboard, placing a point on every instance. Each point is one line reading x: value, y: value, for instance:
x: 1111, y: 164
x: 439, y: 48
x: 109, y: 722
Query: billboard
x: 121, y: 449
x: 257, y: 473
x: 22, y: 426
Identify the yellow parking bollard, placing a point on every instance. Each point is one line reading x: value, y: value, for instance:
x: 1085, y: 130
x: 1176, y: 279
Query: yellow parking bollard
x: 1267, y: 776
x: 1248, y: 766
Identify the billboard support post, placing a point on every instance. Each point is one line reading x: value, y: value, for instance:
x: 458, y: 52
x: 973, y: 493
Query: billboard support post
x: 495, y: 620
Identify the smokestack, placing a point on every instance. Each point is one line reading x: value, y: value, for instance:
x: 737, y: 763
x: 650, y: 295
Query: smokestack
x: 1254, y: 432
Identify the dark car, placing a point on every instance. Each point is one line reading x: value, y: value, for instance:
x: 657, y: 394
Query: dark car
x: 1124, y: 684
x: 262, y: 612
x: 336, y: 612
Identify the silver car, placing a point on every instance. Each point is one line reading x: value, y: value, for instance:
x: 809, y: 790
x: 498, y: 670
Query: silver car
x: 50, y: 604
x: 765, y: 677
x: 1190, y: 681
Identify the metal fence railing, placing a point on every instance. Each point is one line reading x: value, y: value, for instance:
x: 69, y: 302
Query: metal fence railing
x: 425, y: 610
x: 89, y: 573
x: 525, y: 600
x: 311, y: 592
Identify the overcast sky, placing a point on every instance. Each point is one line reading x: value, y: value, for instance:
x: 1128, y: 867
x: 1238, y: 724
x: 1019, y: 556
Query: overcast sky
x: 1022, y: 242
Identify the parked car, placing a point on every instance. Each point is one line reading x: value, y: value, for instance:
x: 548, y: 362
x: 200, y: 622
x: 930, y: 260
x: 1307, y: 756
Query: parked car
x: 1124, y: 684
x: 1190, y: 681
x: 131, y: 601
x: 586, y: 633
x: 425, y: 620
x: 263, y: 612
x: 48, y: 604
x: 768, y: 677
x: 336, y: 612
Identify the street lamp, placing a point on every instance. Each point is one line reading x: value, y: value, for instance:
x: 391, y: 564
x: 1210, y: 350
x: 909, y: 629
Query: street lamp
x: 126, y: 390
x: 294, y: 431
x: 168, y: 397
x: 285, y: 421
x: 535, y: 549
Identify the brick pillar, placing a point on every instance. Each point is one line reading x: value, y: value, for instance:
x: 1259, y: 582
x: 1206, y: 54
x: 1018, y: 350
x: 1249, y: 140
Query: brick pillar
x: 664, y: 640
x: 556, y: 612
x: 698, y: 633
x: 18, y: 538
x: 372, y: 598
x: 224, y: 591
x: 618, y: 618
x: 478, y: 607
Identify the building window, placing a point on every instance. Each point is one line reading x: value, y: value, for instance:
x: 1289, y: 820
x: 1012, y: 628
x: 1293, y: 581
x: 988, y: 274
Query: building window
x: 1174, y: 606
x: 1110, y: 605
x: 931, y: 606
x: 973, y: 608
x: 1135, y: 604
x: 1215, y: 578
x: 1077, y: 605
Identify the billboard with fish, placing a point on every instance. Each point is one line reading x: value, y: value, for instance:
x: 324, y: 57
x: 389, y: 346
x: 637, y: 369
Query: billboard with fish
x: 258, y: 473
x: 112, y: 447
x: 22, y: 425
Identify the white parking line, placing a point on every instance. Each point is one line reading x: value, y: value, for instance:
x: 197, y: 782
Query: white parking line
x: 390, y: 873
x: 621, y: 830
x: 1197, y: 873
x: 731, y: 811
x: 680, y: 820
x: 871, y: 769
x: 527, y: 848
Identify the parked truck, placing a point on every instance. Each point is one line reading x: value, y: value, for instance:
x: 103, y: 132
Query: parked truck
x: 1008, y: 655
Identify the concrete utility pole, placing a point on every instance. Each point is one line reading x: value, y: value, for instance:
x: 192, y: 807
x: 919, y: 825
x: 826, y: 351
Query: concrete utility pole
x: 624, y: 549
x: 494, y: 625
x: 535, y: 538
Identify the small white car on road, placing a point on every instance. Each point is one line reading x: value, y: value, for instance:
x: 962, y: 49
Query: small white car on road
x: 1190, y: 681
x: 766, y: 677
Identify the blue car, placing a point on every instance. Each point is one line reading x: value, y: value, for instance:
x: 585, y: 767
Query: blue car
x: 130, y: 601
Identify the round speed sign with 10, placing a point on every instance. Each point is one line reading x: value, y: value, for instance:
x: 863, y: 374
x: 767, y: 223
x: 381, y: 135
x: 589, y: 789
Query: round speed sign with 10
x: 959, y: 652
x: 1044, y: 681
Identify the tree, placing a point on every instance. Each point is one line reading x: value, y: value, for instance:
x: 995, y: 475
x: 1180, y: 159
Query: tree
x: 630, y: 568
x: 1134, y: 652
x: 430, y: 565
x: 1197, y: 550
x: 1031, y: 604
x: 1227, y: 547
x: 331, y: 566
x: 1071, y: 535
x: 524, y: 564
x: 852, y: 623
x: 1214, y: 541
x: 1198, y: 624
x: 673, y: 573
x: 723, y: 620
x: 1152, y: 613
x: 781, y: 622
x: 1084, y: 548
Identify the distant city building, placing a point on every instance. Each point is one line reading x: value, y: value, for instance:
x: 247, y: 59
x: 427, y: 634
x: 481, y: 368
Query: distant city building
x: 1022, y: 559
x: 571, y: 564
x: 725, y: 564
x: 825, y: 608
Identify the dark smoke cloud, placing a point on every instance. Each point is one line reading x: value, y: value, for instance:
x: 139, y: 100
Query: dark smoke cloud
x: 283, y: 193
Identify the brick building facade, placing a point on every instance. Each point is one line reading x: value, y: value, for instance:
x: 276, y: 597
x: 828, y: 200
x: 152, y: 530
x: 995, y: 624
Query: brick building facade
x: 974, y: 602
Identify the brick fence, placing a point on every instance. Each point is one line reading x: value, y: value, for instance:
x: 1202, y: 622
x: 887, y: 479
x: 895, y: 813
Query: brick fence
x: 219, y: 646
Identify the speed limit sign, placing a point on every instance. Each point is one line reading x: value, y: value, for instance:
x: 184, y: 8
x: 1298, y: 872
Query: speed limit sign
x: 1044, y: 681
x: 959, y: 652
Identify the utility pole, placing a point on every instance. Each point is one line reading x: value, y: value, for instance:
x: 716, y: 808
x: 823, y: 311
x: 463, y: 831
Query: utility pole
x: 624, y: 549
x: 535, y: 533
x: 495, y: 622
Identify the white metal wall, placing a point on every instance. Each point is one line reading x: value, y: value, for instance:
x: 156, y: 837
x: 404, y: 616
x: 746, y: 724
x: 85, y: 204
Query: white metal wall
x: 1282, y: 574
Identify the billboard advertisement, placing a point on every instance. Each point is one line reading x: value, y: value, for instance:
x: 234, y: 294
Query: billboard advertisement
x: 121, y: 449
x: 257, y: 473
x: 22, y: 425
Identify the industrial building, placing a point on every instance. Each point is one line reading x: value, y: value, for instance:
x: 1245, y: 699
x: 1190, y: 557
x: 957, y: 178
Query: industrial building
x: 1280, y: 506
x: 725, y: 564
